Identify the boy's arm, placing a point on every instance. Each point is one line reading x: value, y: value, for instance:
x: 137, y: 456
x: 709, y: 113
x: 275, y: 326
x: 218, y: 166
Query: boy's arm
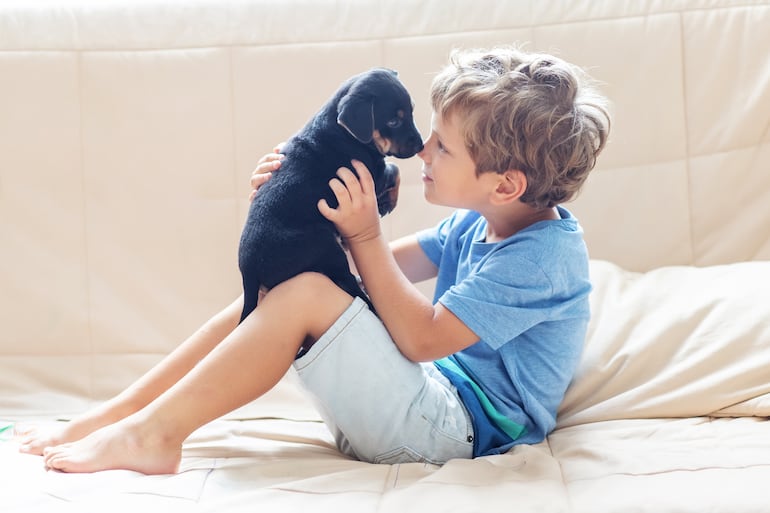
x: 422, y: 331
x: 412, y: 260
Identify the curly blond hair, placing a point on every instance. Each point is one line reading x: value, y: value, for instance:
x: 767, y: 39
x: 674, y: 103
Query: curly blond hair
x: 525, y: 111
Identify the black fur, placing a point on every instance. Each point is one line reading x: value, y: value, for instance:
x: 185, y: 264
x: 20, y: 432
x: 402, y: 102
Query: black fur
x: 285, y: 234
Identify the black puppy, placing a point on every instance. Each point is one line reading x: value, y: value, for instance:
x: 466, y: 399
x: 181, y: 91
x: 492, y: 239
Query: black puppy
x: 369, y: 117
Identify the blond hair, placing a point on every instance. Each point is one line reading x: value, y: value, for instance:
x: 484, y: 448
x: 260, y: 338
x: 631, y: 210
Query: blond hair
x: 530, y: 112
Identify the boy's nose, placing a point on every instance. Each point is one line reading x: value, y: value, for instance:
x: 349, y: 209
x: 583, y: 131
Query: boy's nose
x: 423, y: 153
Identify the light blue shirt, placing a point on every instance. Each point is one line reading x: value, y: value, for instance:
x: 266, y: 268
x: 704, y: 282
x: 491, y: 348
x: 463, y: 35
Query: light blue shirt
x: 526, y: 298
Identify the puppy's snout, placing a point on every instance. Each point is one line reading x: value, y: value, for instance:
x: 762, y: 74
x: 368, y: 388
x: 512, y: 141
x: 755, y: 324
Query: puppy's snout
x: 408, y: 146
x: 415, y: 144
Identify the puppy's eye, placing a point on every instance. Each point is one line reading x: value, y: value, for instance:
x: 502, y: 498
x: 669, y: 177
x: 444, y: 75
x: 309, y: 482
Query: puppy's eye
x: 394, y: 123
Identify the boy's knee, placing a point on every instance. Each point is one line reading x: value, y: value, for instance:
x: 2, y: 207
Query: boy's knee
x: 313, y: 290
x: 317, y: 299
x: 310, y: 283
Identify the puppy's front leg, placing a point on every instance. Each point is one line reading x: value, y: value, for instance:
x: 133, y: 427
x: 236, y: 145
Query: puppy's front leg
x: 387, y: 194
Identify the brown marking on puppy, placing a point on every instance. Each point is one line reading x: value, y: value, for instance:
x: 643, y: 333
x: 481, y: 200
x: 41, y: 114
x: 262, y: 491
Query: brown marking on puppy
x: 393, y: 193
x: 382, y: 143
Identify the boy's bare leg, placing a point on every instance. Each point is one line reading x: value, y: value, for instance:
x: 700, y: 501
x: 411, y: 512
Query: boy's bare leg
x: 248, y: 363
x: 156, y: 381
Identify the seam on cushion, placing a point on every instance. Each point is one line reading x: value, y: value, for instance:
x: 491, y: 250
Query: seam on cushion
x: 688, y: 169
x: 233, y: 133
x: 206, y: 480
x: 565, y: 488
x: 673, y: 471
x: 86, y: 233
x: 452, y: 31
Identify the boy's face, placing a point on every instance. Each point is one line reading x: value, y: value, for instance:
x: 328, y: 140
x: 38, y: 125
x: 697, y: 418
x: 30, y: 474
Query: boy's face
x: 449, y: 173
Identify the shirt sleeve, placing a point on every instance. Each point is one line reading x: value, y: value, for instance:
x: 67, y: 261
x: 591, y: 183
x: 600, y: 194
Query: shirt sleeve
x: 505, y: 297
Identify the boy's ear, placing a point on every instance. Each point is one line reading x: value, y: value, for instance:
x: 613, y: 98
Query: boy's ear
x: 511, y: 185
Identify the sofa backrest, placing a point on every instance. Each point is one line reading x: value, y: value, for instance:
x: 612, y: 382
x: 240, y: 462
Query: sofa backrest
x: 128, y: 132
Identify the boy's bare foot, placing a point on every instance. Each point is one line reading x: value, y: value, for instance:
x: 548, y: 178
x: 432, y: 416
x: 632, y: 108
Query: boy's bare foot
x: 34, y: 440
x: 123, y: 445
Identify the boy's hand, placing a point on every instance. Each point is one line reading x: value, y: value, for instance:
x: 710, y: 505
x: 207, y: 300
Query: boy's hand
x: 356, y: 217
x: 264, y: 170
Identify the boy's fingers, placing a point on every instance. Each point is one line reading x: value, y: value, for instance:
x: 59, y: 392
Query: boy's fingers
x: 347, y: 177
x: 259, y: 179
x: 268, y: 165
x: 340, y: 188
x: 327, y: 211
x: 268, y: 158
x: 365, y: 177
x: 354, y: 184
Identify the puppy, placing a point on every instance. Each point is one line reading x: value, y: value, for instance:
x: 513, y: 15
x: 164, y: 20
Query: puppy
x: 368, y: 118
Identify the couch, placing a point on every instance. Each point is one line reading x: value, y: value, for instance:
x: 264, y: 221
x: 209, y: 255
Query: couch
x: 128, y: 133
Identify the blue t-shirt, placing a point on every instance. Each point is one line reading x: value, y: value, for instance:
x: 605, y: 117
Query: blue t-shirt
x: 526, y: 297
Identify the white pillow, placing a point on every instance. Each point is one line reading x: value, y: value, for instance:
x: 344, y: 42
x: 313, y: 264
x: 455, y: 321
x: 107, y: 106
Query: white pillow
x: 674, y: 342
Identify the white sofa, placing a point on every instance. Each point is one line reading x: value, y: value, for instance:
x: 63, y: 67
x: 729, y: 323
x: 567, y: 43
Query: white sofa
x: 128, y: 132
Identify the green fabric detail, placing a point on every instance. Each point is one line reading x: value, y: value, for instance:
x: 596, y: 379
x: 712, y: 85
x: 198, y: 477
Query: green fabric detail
x: 509, y: 427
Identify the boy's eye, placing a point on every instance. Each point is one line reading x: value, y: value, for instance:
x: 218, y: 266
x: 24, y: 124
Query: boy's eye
x: 394, y: 123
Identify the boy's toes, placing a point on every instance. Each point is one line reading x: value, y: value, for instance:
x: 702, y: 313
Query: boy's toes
x: 33, y: 441
x: 24, y: 431
x: 30, y: 446
x: 52, y: 455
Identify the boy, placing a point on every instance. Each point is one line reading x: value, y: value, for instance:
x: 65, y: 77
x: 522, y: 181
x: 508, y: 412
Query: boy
x: 513, y: 135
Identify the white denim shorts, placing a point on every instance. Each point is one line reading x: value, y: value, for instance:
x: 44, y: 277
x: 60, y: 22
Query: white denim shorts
x: 381, y: 407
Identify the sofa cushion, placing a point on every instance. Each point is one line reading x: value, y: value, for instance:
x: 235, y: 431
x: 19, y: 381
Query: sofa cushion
x: 674, y: 342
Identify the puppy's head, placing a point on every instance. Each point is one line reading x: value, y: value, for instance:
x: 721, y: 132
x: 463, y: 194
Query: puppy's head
x: 377, y: 109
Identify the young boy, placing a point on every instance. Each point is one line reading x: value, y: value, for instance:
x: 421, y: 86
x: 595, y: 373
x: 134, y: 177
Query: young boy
x: 513, y: 135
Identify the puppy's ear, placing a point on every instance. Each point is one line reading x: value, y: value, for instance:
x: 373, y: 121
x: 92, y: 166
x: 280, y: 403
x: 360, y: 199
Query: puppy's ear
x: 356, y: 114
